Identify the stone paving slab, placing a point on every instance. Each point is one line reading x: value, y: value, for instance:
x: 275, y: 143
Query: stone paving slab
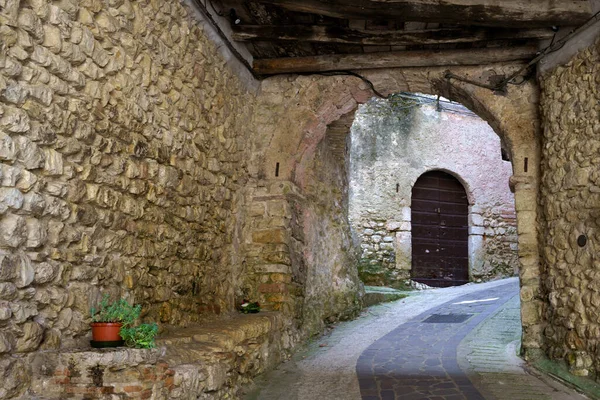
x: 418, y: 359
x: 488, y: 355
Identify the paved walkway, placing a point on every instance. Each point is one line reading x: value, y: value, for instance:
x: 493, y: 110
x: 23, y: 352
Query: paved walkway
x: 391, y: 353
x: 488, y: 355
x: 417, y: 360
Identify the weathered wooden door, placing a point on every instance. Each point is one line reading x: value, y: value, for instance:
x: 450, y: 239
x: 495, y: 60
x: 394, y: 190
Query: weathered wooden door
x: 440, y: 232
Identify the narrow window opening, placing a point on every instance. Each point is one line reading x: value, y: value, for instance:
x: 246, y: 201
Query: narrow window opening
x: 277, y: 169
x: 525, y: 164
x: 397, y: 187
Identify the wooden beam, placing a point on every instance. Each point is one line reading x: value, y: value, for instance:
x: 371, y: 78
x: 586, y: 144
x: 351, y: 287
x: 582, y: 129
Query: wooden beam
x: 399, y: 59
x: 333, y: 34
x: 503, y: 13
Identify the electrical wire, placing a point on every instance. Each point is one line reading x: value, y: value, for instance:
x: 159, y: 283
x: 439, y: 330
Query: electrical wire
x: 501, y: 86
x: 425, y: 100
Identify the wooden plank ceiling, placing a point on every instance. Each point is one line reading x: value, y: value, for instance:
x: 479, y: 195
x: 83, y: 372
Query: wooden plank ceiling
x: 308, y: 36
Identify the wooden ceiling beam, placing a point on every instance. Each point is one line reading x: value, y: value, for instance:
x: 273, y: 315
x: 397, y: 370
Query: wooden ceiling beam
x: 503, y: 13
x: 400, y: 59
x: 333, y: 34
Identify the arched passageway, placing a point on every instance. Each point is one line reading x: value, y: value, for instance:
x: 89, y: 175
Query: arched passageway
x: 298, y: 177
x: 440, y: 231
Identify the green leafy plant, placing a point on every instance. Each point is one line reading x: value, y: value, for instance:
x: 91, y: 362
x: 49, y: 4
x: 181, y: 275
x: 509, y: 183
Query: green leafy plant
x: 116, y: 311
x: 248, y: 307
x: 141, y: 336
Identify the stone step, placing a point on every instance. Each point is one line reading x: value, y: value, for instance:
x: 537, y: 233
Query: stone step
x: 376, y: 295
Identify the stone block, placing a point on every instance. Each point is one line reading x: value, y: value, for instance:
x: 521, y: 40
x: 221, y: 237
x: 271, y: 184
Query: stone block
x: 26, y: 181
x: 278, y: 287
x: 15, y: 93
x: 270, y: 236
x: 33, y: 203
x: 13, y: 231
x: 31, y: 23
x: 8, y: 150
x: 8, y: 290
x: 475, y: 219
x: 274, y: 268
x: 42, y: 94
x: 15, y: 121
x: 31, y: 337
x: 386, y: 246
x: 25, y: 271
x: 5, y: 344
x: 37, y: 233
x: 525, y: 200
x: 40, y: 7
x: 52, y: 38
x: 10, y: 198
x: 8, y: 271
x: 30, y: 155
x: 476, y: 230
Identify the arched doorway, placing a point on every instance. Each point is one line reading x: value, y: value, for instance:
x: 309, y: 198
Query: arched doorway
x: 440, y: 230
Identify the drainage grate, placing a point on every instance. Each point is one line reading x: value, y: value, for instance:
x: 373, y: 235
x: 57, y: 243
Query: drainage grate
x: 448, y: 318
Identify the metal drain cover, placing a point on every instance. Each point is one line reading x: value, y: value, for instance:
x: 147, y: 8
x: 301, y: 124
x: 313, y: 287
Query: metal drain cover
x: 448, y: 318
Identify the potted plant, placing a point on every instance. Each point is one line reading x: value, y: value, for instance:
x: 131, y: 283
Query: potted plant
x: 141, y: 336
x: 108, y: 320
x: 249, y: 307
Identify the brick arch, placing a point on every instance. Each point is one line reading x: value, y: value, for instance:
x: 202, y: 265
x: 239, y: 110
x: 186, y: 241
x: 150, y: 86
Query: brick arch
x: 313, y: 102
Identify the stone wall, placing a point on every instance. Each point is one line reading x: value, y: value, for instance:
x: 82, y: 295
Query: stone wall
x: 300, y: 255
x: 332, y: 288
x: 122, y: 154
x: 570, y: 203
x: 395, y: 141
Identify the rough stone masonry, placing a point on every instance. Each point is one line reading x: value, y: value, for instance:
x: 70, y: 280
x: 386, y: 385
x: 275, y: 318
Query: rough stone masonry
x: 123, y: 148
x: 134, y: 160
x: 570, y: 200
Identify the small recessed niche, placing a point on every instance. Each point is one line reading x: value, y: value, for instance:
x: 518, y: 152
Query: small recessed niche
x: 582, y: 240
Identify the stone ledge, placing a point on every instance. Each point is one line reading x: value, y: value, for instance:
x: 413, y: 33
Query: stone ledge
x: 206, y: 361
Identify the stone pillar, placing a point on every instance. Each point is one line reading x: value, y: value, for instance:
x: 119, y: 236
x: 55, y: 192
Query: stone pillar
x: 269, y: 263
x: 403, y: 243
x: 476, y: 239
x: 525, y: 188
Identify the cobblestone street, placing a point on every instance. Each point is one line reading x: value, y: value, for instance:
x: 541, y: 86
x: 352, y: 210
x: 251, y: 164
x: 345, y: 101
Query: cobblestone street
x: 443, y: 344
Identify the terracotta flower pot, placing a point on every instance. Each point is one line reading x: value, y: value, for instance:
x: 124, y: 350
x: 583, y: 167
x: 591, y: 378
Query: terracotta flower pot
x: 106, y: 331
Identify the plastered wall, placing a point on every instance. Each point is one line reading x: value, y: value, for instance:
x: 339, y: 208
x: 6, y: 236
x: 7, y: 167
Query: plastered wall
x: 395, y: 141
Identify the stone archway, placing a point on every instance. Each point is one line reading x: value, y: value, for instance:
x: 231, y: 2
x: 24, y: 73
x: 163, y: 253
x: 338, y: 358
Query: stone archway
x: 296, y: 111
